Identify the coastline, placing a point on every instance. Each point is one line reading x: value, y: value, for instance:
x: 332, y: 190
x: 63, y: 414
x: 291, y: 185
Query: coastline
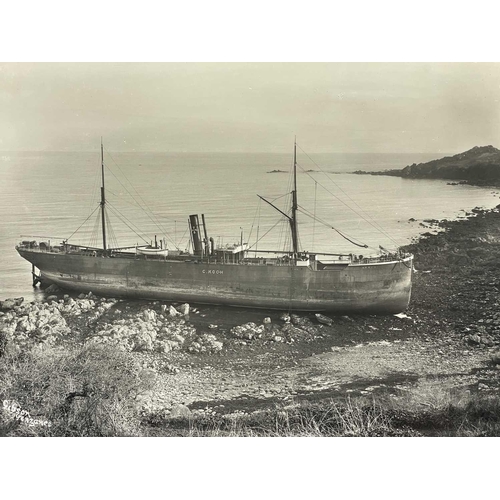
x: 446, y: 343
x: 486, y: 183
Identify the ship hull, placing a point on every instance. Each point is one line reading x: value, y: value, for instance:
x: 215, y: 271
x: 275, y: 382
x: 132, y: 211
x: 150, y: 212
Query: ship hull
x: 382, y: 287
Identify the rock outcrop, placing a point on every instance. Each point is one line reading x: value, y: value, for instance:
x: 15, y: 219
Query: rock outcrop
x: 479, y: 165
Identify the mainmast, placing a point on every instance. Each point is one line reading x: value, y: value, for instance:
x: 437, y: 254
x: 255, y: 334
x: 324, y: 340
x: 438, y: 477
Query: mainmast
x: 103, y: 201
x: 293, y: 220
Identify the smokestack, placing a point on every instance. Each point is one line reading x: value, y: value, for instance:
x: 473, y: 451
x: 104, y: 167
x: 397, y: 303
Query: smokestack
x: 205, y: 239
x: 194, y: 225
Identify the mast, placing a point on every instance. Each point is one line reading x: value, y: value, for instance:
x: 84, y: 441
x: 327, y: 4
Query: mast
x: 293, y: 221
x: 103, y: 201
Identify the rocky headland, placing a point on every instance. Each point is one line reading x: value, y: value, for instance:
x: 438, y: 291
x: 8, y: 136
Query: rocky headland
x: 477, y: 166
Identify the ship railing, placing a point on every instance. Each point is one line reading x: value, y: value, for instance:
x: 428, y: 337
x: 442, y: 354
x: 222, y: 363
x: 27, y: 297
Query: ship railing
x: 399, y: 257
x: 46, y: 247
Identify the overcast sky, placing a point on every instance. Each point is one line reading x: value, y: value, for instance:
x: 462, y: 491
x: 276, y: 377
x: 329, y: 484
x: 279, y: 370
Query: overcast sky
x: 331, y: 107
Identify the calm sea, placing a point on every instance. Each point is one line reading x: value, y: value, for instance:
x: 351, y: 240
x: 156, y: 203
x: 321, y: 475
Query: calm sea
x: 49, y: 195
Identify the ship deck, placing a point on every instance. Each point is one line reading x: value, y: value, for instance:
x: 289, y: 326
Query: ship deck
x: 320, y: 261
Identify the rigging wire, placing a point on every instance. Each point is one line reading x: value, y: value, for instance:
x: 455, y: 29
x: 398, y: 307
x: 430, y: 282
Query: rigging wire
x: 182, y: 238
x: 128, y: 220
x: 284, y: 235
x: 94, y: 188
x: 95, y: 230
x: 111, y: 232
x: 350, y: 208
x: 321, y: 221
x: 157, y: 223
x: 281, y: 196
x: 307, y: 213
x: 83, y: 222
x: 372, y: 222
x: 118, y: 214
x: 282, y: 232
x: 254, y: 217
x: 279, y: 220
x: 146, y: 212
x: 121, y: 198
x: 258, y: 227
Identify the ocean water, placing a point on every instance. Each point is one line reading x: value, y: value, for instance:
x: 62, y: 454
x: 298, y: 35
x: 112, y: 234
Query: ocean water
x: 49, y: 195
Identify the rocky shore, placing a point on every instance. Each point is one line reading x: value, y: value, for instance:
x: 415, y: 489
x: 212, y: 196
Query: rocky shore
x: 208, y: 359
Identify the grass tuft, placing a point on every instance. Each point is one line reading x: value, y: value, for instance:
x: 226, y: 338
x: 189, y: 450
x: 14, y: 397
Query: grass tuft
x: 86, y: 391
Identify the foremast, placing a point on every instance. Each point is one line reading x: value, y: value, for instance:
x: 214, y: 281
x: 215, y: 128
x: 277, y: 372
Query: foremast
x: 293, y: 220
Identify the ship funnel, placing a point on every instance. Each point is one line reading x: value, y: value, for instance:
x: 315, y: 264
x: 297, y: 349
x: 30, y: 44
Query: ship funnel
x: 194, y: 226
x: 205, y: 239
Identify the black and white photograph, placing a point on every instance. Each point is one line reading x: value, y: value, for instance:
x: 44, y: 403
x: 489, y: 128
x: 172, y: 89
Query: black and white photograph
x: 240, y: 248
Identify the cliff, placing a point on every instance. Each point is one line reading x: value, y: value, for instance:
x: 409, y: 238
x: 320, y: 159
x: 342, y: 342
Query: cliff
x: 477, y: 164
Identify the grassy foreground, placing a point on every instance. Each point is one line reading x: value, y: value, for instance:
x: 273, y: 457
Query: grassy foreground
x: 95, y: 391
x: 409, y: 416
x: 76, y: 391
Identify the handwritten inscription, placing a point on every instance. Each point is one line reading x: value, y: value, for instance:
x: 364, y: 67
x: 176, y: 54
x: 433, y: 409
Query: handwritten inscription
x: 212, y: 271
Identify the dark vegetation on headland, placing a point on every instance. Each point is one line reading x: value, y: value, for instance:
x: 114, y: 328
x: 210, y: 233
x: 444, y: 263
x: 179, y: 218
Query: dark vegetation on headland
x: 86, y: 366
x: 478, y: 166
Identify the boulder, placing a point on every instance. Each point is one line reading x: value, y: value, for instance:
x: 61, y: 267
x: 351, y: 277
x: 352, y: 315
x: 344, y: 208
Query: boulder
x: 325, y: 320
x: 180, y: 411
x: 206, y: 343
x: 474, y: 339
x: 149, y: 315
x: 144, y: 340
x: 173, y: 311
x: 248, y: 331
x: 184, y: 309
x: 299, y: 321
x: 165, y: 346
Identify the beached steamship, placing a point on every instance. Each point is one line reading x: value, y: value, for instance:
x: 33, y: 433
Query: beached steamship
x: 293, y: 280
